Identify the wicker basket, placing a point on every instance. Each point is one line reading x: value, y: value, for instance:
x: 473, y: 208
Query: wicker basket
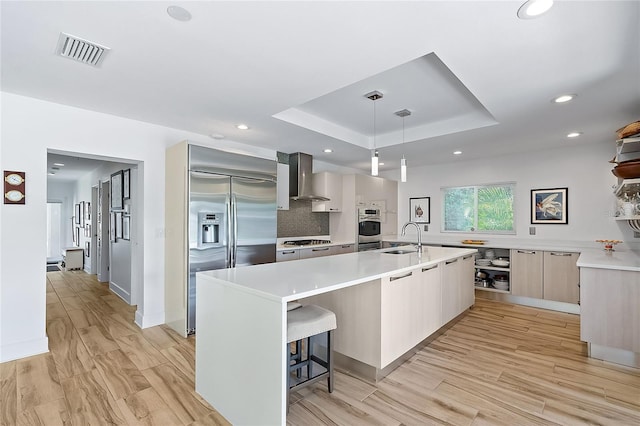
x: 629, y: 130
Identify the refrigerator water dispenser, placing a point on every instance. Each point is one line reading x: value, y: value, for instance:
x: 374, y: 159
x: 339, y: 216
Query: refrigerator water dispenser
x: 209, y: 229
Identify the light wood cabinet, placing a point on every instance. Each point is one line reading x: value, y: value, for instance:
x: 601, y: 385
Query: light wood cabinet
x: 527, y: 273
x: 306, y: 253
x: 286, y: 255
x: 327, y: 185
x: 282, y: 187
x: 345, y: 248
x: 400, y: 313
x: 609, y: 314
x: 561, y: 277
x: 451, y: 294
x: 429, y: 301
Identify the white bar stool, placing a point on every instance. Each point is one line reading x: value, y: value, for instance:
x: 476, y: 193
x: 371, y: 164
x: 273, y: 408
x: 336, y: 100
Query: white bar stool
x: 304, y: 323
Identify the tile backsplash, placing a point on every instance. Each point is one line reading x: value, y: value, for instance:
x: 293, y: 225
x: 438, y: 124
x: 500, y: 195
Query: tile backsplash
x: 300, y: 221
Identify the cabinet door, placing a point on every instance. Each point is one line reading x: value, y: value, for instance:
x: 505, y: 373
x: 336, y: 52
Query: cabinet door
x: 526, y: 273
x: 451, y: 273
x: 285, y: 255
x: 429, y: 301
x: 345, y: 248
x: 328, y: 185
x: 561, y: 276
x: 467, y: 282
x: 398, y: 322
x: 282, y: 187
x: 306, y: 253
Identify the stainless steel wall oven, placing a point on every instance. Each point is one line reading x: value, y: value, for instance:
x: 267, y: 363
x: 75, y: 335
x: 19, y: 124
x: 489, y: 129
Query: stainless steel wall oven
x: 369, y: 224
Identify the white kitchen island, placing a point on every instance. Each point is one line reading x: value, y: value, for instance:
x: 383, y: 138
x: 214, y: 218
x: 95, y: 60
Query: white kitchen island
x: 241, y: 355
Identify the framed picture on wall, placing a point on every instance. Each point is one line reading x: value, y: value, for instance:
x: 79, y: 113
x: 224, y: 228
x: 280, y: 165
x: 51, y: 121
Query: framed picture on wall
x: 420, y: 210
x: 76, y: 214
x: 81, y: 224
x: 126, y: 184
x: 87, y: 249
x: 118, y: 225
x: 116, y: 190
x: 76, y: 241
x: 87, y: 211
x: 550, y: 206
x: 112, y: 228
x: 126, y: 228
x: 87, y: 230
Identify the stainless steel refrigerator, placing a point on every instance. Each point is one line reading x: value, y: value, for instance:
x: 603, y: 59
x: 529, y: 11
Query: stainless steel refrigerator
x: 232, y: 214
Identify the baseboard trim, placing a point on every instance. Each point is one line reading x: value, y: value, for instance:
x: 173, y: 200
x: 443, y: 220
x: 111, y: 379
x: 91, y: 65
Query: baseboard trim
x: 146, y: 321
x: 19, y: 350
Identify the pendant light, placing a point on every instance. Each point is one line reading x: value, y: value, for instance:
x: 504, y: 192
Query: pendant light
x: 403, y: 163
x: 374, y: 96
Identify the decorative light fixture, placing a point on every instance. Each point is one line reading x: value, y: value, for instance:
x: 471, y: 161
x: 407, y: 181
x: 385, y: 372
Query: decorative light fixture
x: 403, y: 163
x: 564, y: 98
x: 374, y: 96
x: 179, y: 13
x: 534, y: 8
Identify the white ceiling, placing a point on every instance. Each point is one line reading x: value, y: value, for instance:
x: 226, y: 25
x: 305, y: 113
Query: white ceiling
x: 312, y: 62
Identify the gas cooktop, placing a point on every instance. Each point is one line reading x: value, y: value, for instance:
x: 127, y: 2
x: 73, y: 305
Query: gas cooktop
x: 306, y: 242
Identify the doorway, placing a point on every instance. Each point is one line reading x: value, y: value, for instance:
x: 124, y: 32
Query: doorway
x: 54, y: 232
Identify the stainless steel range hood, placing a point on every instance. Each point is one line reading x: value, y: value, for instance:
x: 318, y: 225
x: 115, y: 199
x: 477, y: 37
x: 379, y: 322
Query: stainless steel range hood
x: 301, y: 178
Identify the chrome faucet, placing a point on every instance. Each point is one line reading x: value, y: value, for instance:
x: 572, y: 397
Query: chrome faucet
x: 419, y: 234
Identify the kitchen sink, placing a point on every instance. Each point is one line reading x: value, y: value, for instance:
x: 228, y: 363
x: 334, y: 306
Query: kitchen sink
x: 400, y: 251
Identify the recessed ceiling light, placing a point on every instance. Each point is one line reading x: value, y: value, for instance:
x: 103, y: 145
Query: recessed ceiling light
x: 216, y: 136
x: 574, y: 134
x: 564, y: 98
x: 328, y: 150
x: 242, y: 127
x: 457, y: 152
x: 179, y: 13
x: 380, y: 164
x: 534, y: 8
x: 59, y: 164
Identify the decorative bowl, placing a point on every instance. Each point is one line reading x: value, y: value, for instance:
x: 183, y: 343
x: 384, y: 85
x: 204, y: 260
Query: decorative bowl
x: 608, y: 244
x: 627, y: 170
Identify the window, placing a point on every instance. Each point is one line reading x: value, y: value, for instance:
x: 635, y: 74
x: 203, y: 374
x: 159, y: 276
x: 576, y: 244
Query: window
x: 482, y: 208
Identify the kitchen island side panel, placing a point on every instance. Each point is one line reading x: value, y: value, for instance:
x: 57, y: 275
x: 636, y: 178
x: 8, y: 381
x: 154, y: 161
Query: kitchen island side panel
x: 240, y: 354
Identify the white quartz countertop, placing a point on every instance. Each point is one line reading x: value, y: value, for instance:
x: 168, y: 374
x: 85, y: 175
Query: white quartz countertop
x: 286, y: 281
x: 622, y: 260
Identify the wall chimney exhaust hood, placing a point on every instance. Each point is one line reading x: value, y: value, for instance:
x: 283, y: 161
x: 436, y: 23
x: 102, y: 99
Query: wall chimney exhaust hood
x: 301, y: 178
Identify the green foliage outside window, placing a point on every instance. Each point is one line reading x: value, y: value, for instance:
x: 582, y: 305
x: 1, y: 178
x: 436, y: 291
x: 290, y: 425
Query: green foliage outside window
x: 487, y: 208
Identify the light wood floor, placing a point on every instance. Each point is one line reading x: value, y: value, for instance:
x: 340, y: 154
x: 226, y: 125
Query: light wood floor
x: 499, y: 365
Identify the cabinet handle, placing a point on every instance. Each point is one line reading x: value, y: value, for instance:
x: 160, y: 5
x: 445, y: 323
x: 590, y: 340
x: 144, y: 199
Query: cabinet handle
x: 467, y: 257
x: 401, y: 276
x: 348, y: 246
x: 429, y: 268
x: 289, y: 252
x: 526, y: 252
x: 451, y: 261
x: 320, y: 249
x: 555, y: 253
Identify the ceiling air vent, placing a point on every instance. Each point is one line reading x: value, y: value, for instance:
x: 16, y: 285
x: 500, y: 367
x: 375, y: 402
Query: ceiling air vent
x: 84, y: 51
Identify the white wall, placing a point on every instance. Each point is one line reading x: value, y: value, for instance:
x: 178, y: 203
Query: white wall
x: 29, y: 128
x: 63, y: 192
x: 584, y: 170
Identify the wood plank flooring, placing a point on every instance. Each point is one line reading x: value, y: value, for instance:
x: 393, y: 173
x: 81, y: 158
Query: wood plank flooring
x: 501, y: 364
x: 102, y: 369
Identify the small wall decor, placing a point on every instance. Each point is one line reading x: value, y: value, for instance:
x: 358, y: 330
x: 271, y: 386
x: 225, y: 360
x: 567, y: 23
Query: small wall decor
x: 76, y: 214
x: 126, y: 184
x: 112, y: 228
x: 76, y: 238
x: 116, y: 190
x: 87, y: 211
x: 14, y: 187
x: 118, y: 225
x: 126, y: 228
x: 420, y: 210
x: 87, y: 230
x: 550, y: 206
x: 87, y: 249
x: 81, y: 213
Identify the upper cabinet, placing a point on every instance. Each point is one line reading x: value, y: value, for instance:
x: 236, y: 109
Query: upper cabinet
x: 328, y: 185
x: 282, y: 187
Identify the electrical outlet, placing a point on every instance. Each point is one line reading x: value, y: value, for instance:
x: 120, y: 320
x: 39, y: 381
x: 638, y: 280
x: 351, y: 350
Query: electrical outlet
x: 426, y: 228
x: 532, y: 230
